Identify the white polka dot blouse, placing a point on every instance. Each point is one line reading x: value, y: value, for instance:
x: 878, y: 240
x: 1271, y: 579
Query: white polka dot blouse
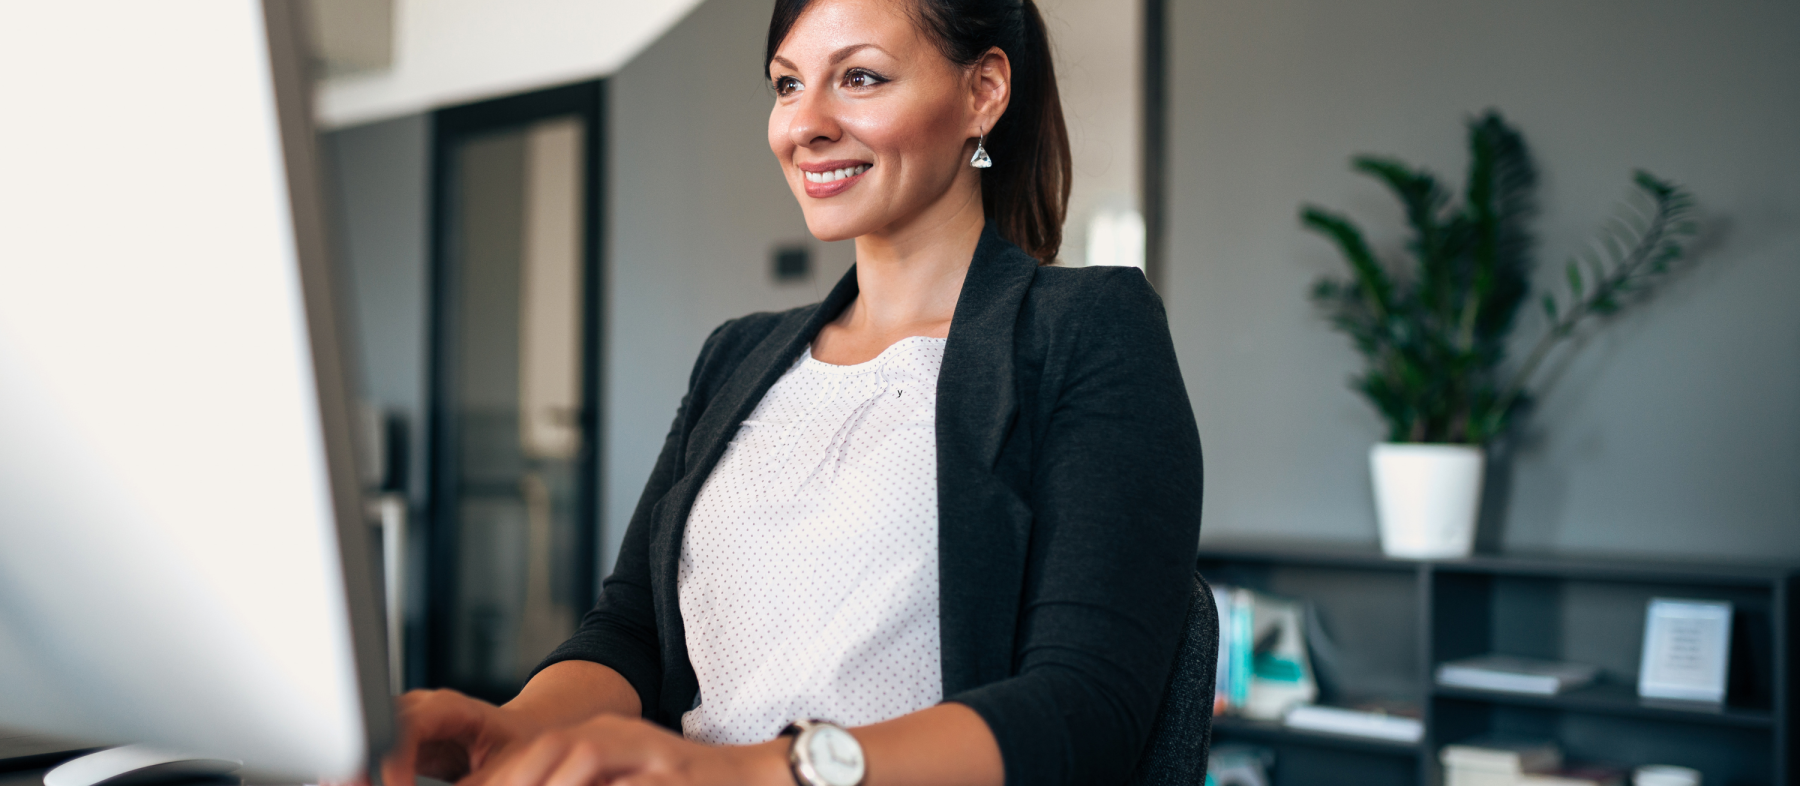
x: 808, y: 579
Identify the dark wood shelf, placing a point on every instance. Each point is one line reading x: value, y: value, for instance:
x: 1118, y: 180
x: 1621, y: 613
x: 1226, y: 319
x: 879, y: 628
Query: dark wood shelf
x: 1331, y: 555
x: 1268, y: 732
x: 1393, y: 620
x: 1581, y: 567
x: 1610, y: 699
x: 1590, y: 568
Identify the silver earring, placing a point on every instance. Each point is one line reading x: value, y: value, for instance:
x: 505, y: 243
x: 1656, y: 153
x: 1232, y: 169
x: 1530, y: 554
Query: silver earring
x: 981, y: 160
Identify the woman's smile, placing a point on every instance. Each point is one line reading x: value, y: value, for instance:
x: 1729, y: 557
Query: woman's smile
x: 830, y: 178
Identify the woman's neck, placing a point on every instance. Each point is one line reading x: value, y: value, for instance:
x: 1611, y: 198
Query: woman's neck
x: 909, y: 277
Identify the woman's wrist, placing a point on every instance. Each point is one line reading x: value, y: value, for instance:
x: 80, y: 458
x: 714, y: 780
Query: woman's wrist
x: 763, y: 764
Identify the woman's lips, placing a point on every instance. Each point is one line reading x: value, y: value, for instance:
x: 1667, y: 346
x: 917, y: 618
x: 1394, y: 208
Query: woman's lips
x: 833, y: 178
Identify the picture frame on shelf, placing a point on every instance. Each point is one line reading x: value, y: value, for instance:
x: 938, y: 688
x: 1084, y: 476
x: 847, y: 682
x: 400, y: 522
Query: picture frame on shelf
x: 1687, y: 650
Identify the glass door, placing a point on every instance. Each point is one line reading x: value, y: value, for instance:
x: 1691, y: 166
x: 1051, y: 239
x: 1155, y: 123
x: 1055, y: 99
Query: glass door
x: 514, y: 385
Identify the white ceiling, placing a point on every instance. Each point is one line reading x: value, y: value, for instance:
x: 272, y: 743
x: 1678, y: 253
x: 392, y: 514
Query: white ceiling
x: 447, y: 52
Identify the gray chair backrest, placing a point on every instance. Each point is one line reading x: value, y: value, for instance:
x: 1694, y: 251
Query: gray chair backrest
x: 1176, y: 754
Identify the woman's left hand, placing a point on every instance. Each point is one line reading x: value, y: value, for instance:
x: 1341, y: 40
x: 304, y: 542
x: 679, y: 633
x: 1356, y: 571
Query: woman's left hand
x: 609, y: 749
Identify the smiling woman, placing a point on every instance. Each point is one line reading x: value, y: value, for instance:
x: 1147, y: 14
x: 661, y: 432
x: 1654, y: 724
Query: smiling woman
x: 936, y: 529
x: 896, y: 102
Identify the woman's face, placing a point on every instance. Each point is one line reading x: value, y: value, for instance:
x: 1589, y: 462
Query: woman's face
x: 872, y: 124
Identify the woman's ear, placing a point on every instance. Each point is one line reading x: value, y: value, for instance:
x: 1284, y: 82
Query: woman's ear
x: 990, y: 89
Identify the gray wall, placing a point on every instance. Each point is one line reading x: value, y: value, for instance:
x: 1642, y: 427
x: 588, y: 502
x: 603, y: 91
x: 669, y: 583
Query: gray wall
x: 380, y: 179
x: 697, y: 202
x: 1675, y: 431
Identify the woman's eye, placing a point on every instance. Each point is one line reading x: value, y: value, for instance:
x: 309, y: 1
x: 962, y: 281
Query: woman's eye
x: 857, y: 77
x: 786, y: 85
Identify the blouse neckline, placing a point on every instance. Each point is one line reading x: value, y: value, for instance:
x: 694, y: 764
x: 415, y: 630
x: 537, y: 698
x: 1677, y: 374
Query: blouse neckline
x: 886, y: 356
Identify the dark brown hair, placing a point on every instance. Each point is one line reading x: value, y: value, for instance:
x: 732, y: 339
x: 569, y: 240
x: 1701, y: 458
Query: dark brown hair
x: 1026, y: 192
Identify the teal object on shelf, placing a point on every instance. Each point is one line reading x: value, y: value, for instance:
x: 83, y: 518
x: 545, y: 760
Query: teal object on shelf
x: 1243, y: 617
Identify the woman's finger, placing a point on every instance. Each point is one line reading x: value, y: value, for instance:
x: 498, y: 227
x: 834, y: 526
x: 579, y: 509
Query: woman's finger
x: 646, y: 778
x: 535, y: 763
x: 428, y: 719
x: 397, y: 766
x: 581, y: 767
x: 528, y: 764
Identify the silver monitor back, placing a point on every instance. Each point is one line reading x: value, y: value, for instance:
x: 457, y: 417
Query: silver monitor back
x: 182, y: 556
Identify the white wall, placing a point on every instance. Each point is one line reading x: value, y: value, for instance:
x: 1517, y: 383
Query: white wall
x: 449, y: 52
x: 1098, y: 51
x: 1677, y: 430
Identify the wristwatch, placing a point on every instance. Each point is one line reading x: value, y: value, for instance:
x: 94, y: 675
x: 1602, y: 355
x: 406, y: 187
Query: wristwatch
x: 824, y: 754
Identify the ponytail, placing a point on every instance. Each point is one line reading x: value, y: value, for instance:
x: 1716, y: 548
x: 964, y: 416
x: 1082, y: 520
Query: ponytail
x: 1026, y: 192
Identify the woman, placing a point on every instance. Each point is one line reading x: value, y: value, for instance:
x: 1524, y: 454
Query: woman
x: 952, y: 508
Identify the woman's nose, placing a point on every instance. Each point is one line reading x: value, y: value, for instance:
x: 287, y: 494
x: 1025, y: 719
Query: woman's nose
x: 814, y: 122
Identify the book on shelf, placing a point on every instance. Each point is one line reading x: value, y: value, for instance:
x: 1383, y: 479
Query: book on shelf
x: 1508, y: 674
x: 1239, y: 765
x: 1501, y: 761
x: 1263, y: 667
x: 1576, y: 776
x: 1498, y: 761
x: 1394, y: 723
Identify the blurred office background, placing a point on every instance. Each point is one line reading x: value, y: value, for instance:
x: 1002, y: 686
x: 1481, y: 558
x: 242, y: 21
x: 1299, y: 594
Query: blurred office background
x: 546, y: 205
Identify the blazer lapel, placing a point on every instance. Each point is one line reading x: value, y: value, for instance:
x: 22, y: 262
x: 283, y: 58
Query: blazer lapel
x: 753, y: 377
x: 982, y: 524
x: 976, y: 400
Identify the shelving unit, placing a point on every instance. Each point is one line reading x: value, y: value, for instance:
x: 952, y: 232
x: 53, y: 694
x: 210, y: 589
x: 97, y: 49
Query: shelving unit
x: 1393, y: 621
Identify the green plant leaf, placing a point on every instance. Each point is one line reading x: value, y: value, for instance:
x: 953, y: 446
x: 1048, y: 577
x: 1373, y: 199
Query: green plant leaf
x: 1435, y: 336
x: 1370, y: 277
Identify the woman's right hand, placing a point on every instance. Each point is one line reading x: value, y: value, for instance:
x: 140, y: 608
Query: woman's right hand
x: 446, y: 735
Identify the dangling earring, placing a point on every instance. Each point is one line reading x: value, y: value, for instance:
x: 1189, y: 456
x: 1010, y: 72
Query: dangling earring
x: 981, y: 160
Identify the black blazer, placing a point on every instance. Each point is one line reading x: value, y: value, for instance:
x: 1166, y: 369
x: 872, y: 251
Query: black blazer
x: 1069, y: 487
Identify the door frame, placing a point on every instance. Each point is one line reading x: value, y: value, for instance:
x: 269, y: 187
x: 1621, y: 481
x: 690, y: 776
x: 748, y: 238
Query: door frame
x: 450, y: 127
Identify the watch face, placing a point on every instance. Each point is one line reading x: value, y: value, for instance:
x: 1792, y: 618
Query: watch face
x: 836, y: 756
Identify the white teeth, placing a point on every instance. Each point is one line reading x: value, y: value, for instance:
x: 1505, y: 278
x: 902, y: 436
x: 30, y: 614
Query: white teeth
x: 837, y: 174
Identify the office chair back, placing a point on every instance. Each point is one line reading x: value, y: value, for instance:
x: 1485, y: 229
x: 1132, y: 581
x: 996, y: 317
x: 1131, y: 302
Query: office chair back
x: 1176, y: 753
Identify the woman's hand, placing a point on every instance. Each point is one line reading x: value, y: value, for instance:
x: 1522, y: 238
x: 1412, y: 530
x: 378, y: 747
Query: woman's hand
x: 945, y: 745
x: 609, y: 749
x: 446, y: 735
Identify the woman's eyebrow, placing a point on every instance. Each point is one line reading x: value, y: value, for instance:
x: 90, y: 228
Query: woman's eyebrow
x: 836, y: 57
x: 839, y: 55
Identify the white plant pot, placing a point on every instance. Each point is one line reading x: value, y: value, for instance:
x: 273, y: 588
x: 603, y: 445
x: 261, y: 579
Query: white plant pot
x: 1427, y: 498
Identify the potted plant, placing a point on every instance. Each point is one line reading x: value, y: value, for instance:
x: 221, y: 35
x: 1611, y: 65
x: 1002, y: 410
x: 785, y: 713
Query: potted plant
x: 1434, y: 333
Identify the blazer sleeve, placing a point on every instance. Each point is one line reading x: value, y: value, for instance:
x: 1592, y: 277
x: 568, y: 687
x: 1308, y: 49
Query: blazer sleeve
x: 620, y: 632
x: 1115, y: 501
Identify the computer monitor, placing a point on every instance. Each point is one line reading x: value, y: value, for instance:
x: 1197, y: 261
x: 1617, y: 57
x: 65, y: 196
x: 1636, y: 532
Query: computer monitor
x: 182, y: 557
